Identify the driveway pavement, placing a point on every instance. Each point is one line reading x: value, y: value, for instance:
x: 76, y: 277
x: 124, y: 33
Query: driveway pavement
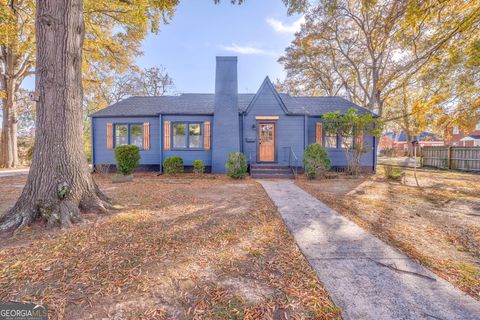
x: 365, y: 277
x: 14, y: 172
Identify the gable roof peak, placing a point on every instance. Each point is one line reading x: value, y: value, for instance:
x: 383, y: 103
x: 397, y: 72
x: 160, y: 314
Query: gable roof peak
x: 268, y: 84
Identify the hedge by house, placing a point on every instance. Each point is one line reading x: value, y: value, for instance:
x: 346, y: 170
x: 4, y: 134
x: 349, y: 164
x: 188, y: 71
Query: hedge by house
x: 236, y: 165
x: 198, y: 167
x: 315, y: 161
x: 173, y: 165
x: 127, y: 158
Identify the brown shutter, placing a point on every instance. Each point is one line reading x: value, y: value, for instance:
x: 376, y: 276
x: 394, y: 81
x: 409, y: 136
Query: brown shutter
x: 109, y: 136
x: 206, y: 135
x: 318, y: 133
x: 146, y: 136
x: 166, y: 135
x: 360, y: 138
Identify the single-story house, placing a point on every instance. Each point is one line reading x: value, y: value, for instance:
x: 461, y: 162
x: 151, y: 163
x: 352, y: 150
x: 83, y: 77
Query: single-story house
x: 272, y: 129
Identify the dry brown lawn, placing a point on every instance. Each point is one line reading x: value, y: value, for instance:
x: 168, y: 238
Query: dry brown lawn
x: 437, y: 223
x: 181, y: 248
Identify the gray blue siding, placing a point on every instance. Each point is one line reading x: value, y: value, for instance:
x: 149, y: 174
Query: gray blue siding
x: 189, y: 155
x: 337, y: 155
x: 290, y: 129
x: 102, y: 155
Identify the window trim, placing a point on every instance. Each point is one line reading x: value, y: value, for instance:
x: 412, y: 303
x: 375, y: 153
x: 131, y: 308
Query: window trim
x: 128, y: 124
x: 187, y: 136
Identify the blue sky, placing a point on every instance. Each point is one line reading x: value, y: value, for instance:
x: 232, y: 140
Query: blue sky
x: 257, y: 32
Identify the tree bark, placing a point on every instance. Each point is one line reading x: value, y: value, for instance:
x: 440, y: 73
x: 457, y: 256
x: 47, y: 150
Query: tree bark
x: 8, y: 145
x: 59, y: 183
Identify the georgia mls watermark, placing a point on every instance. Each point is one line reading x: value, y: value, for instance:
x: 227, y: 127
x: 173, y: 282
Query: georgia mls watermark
x: 23, y: 311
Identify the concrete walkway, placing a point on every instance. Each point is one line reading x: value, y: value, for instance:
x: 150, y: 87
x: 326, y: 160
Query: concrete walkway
x: 13, y: 172
x: 365, y: 277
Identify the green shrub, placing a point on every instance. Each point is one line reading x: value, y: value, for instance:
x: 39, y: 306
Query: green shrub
x: 198, y: 167
x: 315, y: 161
x: 127, y: 158
x: 173, y: 165
x: 236, y: 165
x: 393, y: 173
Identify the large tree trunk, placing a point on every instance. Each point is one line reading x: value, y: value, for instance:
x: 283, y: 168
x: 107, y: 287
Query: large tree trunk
x: 59, y: 183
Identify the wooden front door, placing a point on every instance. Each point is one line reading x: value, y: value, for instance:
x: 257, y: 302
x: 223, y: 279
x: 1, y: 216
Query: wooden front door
x: 266, y: 142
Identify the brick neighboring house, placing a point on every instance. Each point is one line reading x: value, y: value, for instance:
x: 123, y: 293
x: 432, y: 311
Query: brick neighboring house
x: 397, y: 141
x: 462, y: 138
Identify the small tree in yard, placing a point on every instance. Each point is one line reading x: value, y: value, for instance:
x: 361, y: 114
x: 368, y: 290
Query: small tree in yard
x: 352, y: 127
x: 127, y: 158
x: 315, y: 161
x: 236, y: 165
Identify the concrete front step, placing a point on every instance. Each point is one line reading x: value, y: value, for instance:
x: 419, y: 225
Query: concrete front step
x: 269, y: 165
x: 271, y: 171
x: 273, y: 175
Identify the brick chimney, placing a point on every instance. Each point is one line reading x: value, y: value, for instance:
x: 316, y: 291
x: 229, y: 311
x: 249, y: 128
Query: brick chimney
x: 226, y: 131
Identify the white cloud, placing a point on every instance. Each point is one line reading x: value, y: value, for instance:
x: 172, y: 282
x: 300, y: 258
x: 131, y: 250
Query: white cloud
x: 245, y: 49
x: 281, y: 27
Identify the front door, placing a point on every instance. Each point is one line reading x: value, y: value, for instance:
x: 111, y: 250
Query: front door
x: 266, y: 142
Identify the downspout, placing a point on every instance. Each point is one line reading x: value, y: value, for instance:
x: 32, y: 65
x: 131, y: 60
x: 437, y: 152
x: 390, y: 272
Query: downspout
x: 242, y: 130
x: 305, y: 132
x: 374, y: 155
x: 92, y: 142
x: 161, y: 141
x: 305, y: 136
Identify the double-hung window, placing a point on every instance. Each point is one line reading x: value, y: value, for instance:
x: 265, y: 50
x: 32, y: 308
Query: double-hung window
x: 129, y: 134
x: 187, y: 135
x: 331, y: 140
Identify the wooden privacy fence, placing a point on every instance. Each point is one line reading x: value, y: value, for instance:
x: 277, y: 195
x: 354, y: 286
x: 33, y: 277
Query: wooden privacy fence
x: 455, y: 158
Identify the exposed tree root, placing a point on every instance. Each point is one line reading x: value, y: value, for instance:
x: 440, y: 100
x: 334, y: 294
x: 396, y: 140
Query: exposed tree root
x: 55, y: 212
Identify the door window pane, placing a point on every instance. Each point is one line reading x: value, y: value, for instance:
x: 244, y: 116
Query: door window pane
x: 121, y: 134
x: 179, y: 135
x: 136, y: 135
x: 194, y: 139
x: 266, y: 132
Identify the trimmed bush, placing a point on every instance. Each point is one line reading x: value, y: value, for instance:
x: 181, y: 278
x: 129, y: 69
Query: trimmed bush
x: 198, y: 167
x: 236, y: 165
x: 127, y: 158
x: 315, y: 161
x: 173, y: 165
